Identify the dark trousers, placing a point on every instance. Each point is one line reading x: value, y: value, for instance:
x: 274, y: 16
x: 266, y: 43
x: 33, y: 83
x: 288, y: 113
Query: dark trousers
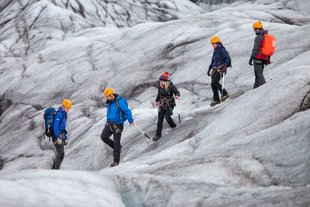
x: 259, y: 77
x: 164, y: 112
x: 59, y: 155
x: 216, y: 86
x: 116, y: 130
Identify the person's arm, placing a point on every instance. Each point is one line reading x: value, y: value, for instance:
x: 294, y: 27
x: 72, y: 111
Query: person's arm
x: 226, y: 58
x: 56, y: 125
x: 124, y: 107
x: 157, y: 97
x: 211, y: 65
x: 175, y: 91
x: 257, y: 45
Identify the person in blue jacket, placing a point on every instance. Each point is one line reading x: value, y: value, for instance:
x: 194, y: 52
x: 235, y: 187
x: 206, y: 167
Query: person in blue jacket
x: 60, y: 133
x: 117, y: 113
x: 220, y: 61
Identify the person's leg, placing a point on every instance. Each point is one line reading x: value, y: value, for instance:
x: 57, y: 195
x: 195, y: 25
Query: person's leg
x: 160, y: 120
x: 59, y: 156
x: 117, y: 143
x: 105, y: 136
x: 216, y: 86
x: 169, y: 112
x: 259, y: 77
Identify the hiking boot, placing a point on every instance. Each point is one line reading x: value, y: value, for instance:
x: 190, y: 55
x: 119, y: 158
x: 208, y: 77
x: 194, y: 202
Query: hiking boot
x: 224, y: 97
x: 157, y: 137
x: 114, y: 164
x: 213, y: 103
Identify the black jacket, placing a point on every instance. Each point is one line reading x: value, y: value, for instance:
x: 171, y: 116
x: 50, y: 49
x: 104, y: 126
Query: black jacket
x: 258, y: 42
x: 167, y: 95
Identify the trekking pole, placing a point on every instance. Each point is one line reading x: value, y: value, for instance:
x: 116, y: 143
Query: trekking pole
x: 269, y: 72
x: 179, y: 115
x: 142, y: 132
x: 223, y: 82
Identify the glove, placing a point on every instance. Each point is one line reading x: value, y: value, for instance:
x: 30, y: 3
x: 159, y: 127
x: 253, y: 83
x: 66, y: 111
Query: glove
x: 58, y: 141
x: 251, y: 61
x: 65, y: 142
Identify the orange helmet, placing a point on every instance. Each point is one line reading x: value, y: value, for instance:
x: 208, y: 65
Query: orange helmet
x: 67, y: 104
x: 215, y: 39
x: 257, y: 25
x: 108, y: 91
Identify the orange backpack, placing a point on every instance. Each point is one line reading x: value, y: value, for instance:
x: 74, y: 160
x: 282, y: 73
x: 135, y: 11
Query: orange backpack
x: 268, y: 45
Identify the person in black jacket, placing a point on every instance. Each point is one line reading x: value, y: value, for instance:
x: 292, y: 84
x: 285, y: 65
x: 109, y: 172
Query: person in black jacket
x: 165, y: 102
x: 257, y: 57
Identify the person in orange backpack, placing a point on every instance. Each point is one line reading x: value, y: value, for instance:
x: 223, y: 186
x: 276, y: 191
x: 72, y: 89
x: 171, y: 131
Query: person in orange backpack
x: 257, y: 57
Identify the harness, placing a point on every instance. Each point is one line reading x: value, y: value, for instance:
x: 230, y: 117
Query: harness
x: 113, y: 127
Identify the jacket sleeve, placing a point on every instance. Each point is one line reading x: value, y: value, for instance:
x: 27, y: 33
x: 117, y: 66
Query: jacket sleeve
x: 57, y: 121
x: 157, y: 97
x: 211, y: 64
x: 124, y: 107
x: 257, y: 44
x: 226, y: 57
x: 175, y: 90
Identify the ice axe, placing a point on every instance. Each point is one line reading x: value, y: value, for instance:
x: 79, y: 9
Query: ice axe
x: 142, y: 132
x: 269, y: 72
x: 223, y: 82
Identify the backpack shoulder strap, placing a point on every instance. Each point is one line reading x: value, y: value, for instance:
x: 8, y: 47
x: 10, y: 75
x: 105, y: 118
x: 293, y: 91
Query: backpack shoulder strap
x: 119, y: 107
x: 117, y: 104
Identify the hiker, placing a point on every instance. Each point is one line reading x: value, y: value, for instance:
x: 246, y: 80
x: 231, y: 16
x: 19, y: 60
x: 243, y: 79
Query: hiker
x: 218, y: 67
x: 117, y: 113
x: 257, y: 57
x: 165, y: 102
x: 60, y: 134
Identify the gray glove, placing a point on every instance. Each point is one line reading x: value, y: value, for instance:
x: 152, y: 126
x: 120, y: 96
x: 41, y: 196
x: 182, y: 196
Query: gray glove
x: 65, y: 142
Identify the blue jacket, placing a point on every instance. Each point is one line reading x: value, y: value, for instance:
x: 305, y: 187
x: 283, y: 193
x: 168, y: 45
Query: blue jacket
x: 220, y: 57
x: 60, y: 123
x: 116, y: 115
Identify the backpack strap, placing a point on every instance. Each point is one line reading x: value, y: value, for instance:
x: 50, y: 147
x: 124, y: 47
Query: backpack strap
x: 118, y: 106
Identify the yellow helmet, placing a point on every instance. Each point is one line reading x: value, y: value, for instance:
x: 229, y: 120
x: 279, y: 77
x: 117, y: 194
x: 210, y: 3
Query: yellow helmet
x: 257, y: 25
x: 108, y: 91
x: 67, y: 104
x: 215, y: 39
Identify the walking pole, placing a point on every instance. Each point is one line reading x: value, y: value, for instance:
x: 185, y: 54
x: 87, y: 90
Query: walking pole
x: 223, y: 82
x: 142, y: 132
x: 179, y: 115
x: 269, y: 72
